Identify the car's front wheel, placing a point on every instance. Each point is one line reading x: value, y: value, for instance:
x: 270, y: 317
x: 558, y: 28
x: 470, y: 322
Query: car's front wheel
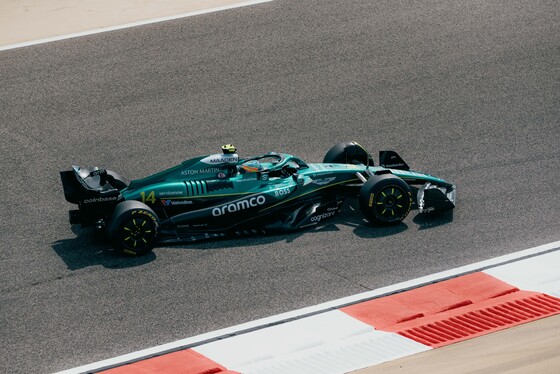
x: 385, y: 199
x: 133, y: 228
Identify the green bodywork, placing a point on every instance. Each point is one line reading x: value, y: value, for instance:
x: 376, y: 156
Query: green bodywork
x: 194, y: 179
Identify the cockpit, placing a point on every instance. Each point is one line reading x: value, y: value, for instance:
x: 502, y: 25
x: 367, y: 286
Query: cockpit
x: 271, y: 165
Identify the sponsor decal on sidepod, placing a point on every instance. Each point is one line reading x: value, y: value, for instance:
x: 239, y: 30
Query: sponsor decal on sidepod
x: 170, y: 193
x: 324, y: 181
x: 167, y: 202
x: 239, y: 205
x: 201, y: 171
x: 322, y: 216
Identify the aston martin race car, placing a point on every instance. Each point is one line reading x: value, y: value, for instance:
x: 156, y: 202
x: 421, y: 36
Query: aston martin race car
x: 223, y: 195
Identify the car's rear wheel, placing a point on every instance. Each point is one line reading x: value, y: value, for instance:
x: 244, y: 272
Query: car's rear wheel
x: 348, y: 153
x: 385, y: 199
x: 133, y: 228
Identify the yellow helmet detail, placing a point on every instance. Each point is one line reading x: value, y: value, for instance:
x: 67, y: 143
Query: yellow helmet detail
x: 228, y: 149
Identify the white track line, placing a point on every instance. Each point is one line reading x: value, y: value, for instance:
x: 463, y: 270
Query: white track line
x: 132, y: 24
x: 301, y: 313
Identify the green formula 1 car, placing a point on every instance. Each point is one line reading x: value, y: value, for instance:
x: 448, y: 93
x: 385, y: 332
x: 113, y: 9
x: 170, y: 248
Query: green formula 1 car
x: 222, y: 194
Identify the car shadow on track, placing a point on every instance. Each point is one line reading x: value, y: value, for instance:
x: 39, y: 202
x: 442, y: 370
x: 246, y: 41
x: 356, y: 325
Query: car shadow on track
x: 352, y: 216
x: 430, y: 220
x: 424, y: 221
x: 89, y: 248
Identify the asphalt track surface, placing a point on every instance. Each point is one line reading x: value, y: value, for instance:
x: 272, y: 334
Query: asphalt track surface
x: 466, y: 91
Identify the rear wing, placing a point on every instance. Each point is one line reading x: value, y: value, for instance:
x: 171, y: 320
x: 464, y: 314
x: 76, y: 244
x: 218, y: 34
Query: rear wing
x: 80, y: 184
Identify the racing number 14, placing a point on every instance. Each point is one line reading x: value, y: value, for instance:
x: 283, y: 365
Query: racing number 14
x: 151, y: 198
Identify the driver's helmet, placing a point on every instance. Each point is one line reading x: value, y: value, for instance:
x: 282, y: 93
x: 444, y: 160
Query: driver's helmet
x: 252, y: 166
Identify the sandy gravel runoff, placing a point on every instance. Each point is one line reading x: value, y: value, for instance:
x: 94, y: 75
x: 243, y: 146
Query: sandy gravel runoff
x: 528, y: 348
x: 27, y: 20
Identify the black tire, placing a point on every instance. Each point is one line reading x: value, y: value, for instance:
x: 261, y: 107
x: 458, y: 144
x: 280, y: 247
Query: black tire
x: 348, y: 153
x: 385, y: 199
x: 133, y: 228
